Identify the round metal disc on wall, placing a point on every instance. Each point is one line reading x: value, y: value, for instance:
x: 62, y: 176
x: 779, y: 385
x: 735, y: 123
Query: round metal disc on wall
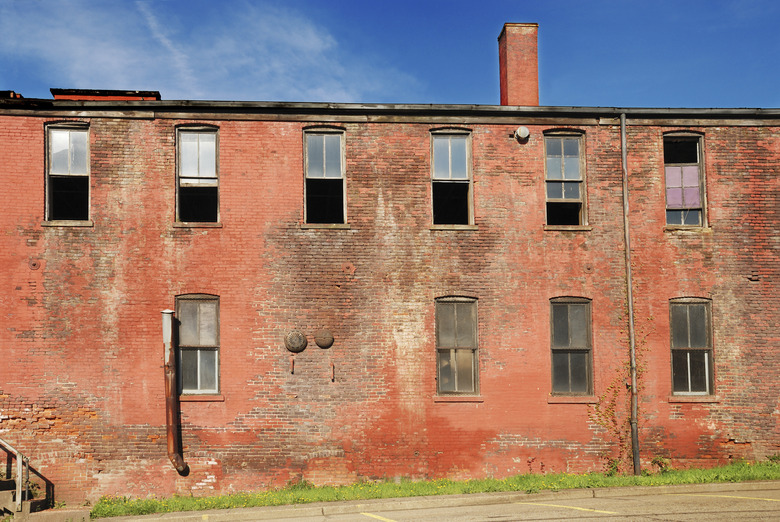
x: 295, y: 341
x: 323, y: 338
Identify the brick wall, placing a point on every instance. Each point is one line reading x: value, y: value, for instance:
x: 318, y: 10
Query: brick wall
x: 82, y: 388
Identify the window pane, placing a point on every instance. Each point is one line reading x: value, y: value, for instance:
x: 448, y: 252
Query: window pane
x: 554, y: 168
x: 78, y: 144
x: 571, y: 168
x: 674, y: 217
x: 571, y: 190
x: 441, y: 157
x: 189, y: 369
x: 673, y: 176
x: 188, y: 154
x: 324, y: 201
x: 458, y: 157
x: 554, y: 190
x: 571, y: 147
x: 446, y: 377
x: 208, y: 323
x: 69, y: 197
x: 699, y: 371
x: 465, y: 364
x: 679, y: 325
x: 333, y: 156
x: 208, y: 155
x: 560, y: 377
x: 198, y: 204
x: 554, y: 147
x: 680, y: 370
x: 560, y: 325
x: 466, y: 331
x: 578, y: 324
x: 690, y: 176
x: 674, y: 197
x: 450, y: 203
x: 315, y: 144
x: 208, y: 370
x: 579, y: 372
x: 59, y: 144
x: 445, y: 324
x: 691, y: 217
x: 681, y: 150
x: 697, y: 314
x: 691, y: 197
x: 188, y: 323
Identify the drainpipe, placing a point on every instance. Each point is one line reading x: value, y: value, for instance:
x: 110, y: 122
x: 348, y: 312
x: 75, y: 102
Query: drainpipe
x: 630, y: 298
x: 171, y: 396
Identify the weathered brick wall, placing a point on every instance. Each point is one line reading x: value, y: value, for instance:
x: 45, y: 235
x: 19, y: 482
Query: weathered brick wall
x: 82, y: 380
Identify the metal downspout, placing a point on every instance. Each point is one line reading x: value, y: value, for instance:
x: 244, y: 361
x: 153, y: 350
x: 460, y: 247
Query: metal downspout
x: 171, y: 396
x: 630, y: 298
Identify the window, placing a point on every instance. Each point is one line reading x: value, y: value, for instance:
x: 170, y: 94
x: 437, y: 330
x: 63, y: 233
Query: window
x: 684, y: 183
x: 67, y: 180
x: 451, y: 179
x: 691, y: 342
x: 571, y: 348
x: 198, y: 317
x: 198, y: 183
x: 456, y: 345
x: 565, y: 184
x: 324, y: 177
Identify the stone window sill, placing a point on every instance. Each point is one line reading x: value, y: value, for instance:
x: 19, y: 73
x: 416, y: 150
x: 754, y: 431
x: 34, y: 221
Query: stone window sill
x: 571, y: 399
x: 68, y: 223
x: 458, y: 398
x: 202, y: 398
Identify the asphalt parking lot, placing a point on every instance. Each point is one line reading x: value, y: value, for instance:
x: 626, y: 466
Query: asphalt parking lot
x: 711, y: 502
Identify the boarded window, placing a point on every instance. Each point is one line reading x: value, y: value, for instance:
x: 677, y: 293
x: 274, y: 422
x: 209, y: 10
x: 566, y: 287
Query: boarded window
x: 67, y: 180
x: 565, y: 185
x: 456, y: 345
x: 684, y: 181
x: 198, y: 178
x: 571, y: 346
x: 324, y: 178
x: 198, y: 340
x: 691, y: 342
x: 451, y: 179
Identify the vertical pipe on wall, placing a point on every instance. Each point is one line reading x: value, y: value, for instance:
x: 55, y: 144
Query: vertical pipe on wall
x: 630, y: 298
x: 171, y: 395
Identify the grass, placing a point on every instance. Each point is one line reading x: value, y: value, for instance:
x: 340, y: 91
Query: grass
x: 303, y: 493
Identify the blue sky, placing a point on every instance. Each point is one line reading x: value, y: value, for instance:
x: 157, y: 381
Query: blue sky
x: 630, y: 53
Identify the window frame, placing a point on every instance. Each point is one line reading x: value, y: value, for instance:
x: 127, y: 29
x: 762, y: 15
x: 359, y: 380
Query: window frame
x: 324, y: 131
x: 698, y: 139
x: 582, y: 200
x: 69, y: 127
x: 198, y: 348
x: 569, y: 349
x: 453, y: 360
x: 198, y: 130
x: 439, y: 134
x: 708, y: 350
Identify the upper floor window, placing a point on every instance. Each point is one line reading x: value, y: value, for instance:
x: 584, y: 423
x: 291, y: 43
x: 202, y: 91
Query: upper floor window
x: 451, y: 179
x: 67, y: 174
x: 684, y: 180
x: 565, y: 180
x: 324, y: 164
x: 198, y: 318
x: 198, y: 176
x: 571, y: 346
x: 691, y: 341
x: 456, y: 345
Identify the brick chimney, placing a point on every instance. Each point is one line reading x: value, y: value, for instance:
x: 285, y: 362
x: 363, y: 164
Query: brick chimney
x: 518, y: 64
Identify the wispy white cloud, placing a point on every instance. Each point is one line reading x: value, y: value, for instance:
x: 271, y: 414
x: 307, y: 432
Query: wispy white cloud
x: 186, y: 50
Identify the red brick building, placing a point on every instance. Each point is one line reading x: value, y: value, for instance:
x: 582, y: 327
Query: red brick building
x: 468, y: 262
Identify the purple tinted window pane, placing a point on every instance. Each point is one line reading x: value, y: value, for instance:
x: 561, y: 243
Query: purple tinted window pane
x: 674, y: 197
x: 691, y: 197
x: 674, y: 176
x: 690, y: 176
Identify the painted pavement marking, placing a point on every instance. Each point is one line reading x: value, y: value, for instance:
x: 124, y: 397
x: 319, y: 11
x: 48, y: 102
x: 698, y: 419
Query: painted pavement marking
x: 377, y: 517
x: 568, y: 507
